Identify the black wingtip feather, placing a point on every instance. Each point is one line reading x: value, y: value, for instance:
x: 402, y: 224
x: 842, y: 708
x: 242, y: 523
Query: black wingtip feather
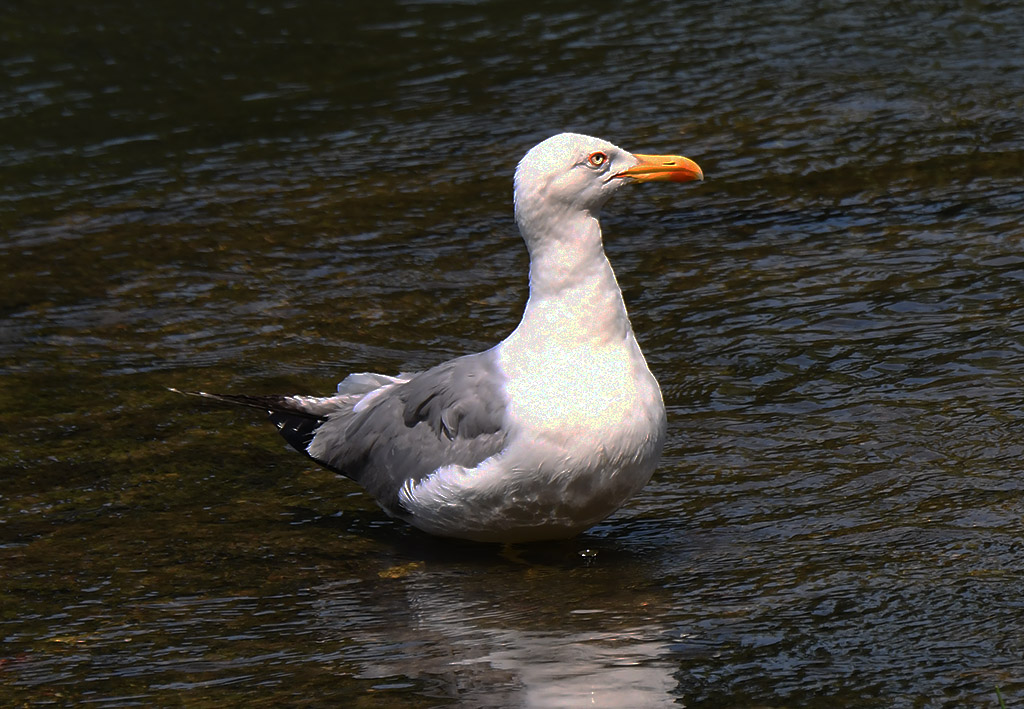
x: 297, y: 429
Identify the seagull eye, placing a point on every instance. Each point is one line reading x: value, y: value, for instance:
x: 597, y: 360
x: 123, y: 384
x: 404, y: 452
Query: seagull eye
x: 597, y: 159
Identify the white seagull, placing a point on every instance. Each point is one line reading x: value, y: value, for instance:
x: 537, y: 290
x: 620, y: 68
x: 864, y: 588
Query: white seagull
x: 546, y: 433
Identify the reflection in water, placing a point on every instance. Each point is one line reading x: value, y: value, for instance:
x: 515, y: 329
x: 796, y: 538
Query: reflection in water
x: 489, y: 657
x: 600, y: 669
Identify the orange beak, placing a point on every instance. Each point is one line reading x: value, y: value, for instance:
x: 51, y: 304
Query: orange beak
x: 663, y: 168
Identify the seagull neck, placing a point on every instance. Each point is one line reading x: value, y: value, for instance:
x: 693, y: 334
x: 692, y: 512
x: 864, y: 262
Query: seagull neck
x: 573, y: 292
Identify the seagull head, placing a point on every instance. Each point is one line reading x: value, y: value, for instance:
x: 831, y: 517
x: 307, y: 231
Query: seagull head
x: 570, y: 172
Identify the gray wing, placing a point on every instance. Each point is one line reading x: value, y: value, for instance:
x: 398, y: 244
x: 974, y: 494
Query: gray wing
x: 451, y: 414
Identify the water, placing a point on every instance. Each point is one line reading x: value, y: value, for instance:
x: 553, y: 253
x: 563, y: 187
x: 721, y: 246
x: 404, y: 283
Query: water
x: 264, y: 196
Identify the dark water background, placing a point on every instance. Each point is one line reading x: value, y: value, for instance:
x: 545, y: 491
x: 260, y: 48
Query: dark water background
x: 263, y: 196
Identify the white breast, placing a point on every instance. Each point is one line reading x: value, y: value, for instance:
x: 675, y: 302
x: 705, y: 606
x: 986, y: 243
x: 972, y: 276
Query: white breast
x: 570, y: 396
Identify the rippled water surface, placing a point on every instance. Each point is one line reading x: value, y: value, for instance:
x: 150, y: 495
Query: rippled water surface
x: 262, y: 196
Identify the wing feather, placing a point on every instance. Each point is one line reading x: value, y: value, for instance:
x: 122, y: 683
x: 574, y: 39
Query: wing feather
x: 452, y: 414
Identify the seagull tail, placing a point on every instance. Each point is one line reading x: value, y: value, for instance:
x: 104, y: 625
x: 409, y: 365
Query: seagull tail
x: 296, y: 417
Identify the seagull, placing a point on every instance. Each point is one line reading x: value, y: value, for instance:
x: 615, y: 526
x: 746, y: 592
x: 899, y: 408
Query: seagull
x: 539, y: 437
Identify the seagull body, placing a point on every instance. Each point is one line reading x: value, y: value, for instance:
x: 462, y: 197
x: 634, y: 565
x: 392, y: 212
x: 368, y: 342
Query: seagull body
x: 546, y: 433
